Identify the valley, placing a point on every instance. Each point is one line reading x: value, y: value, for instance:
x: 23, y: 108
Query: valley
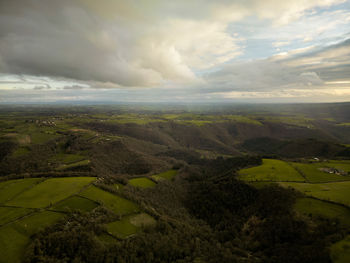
x: 118, y: 176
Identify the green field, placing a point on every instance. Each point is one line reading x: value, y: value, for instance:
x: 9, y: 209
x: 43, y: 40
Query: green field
x: 122, y: 228
x: 20, y: 151
x: 336, y: 192
x: 15, y: 236
x: 36, y: 222
x: 142, y: 219
x: 313, y: 173
x: 340, y: 251
x: 12, y: 244
x: 129, y: 225
x: 168, y: 175
x: 68, y: 158
x: 41, y: 137
x: 271, y: 170
x: 116, y: 203
x: 72, y: 165
x: 320, y: 208
x: 9, y: 214
x: 50, y: 191
x: 142, y: 182
x: 20, y: 223
x: 75, y: 203
x: 10, y: 189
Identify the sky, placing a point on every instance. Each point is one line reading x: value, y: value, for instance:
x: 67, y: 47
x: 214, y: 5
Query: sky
x: 174, y: 51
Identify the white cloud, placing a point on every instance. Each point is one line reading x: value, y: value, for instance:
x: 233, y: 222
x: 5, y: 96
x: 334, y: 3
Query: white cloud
x: 291, y: 72
x: 114, y: 44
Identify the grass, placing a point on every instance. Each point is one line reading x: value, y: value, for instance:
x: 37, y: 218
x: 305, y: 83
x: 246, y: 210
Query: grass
x: 69, y: 158
x: 316, y: 207
x: 75, y: 203
x: 122, y: 228
x: 200, y: 120
x: 15, y: 237
x: 142, y: 182
x: 344, y: 124
x: 242, y: 119
x: 50, y: 191
x: 40, y: 137
x: 12, y: 244
x: 313, y: 173
x: 168, y: 175
x: 36, y: 222
x: 20, y: 151
x: 271, y: 170
x: 340, y: 251
x: 130, y: 225
x: 22, y: 139
x: 72, y: 165
x: 142, y: 219
x: 9, y: 214
x: 337, y: 192
x: 10, y: 189
x: 115, y: 203
x: 300, y: 121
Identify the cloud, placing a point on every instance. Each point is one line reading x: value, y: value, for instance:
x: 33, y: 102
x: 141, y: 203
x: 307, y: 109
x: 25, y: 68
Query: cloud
x: 128, y: 44
x: 298, y: 70
x: 44, y: 87
x: 73, y: 87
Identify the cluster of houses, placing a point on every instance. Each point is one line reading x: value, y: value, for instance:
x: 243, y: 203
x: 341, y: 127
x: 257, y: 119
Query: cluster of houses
x: 333, y: 171
x: 41, y: 123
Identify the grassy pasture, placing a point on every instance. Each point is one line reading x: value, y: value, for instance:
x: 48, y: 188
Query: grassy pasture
x: 36, y: 222
x: 12, y: 244
x: 20, y: 151
x: 42, y: 137
x: 200, y: 120
x: 313, y: 173
x: 300, y: 121
x: 116, y: 203
x: 129, y: 225
x: 142, y: 219
x: 340, y: 251
x: 10, y: 189
x: 15, y: 236
x: 8, y: 214
x: 50, y: 191
x: 242, y: 119
x: 142, y: 182
x: 72, y: 165
x: 320, y: 208
x: 75, y: 203
x: 168, y: 175
x: 68, y: 158
x: 336, y: 192
x: 271, y: 170
x: 122, y: 228
x: 22, y: 139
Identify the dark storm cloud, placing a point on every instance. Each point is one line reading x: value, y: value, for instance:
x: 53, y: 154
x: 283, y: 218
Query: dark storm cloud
x: 67, y: 39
